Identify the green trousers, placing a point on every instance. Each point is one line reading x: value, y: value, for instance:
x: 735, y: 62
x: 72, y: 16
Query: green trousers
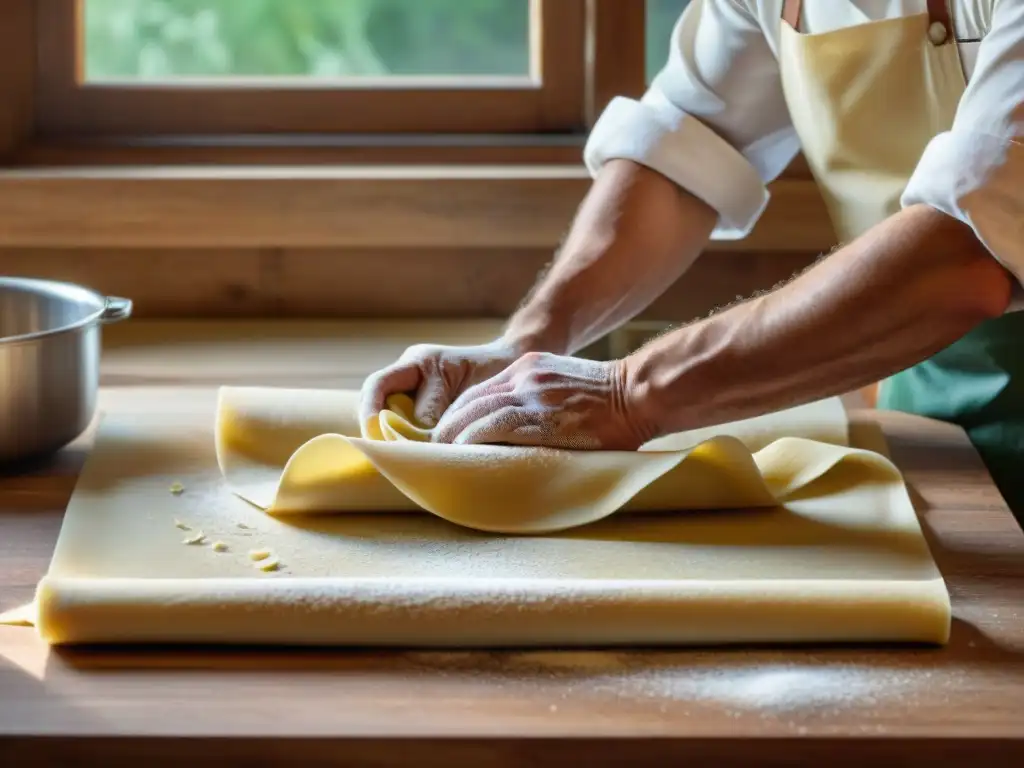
x: 977, y: 383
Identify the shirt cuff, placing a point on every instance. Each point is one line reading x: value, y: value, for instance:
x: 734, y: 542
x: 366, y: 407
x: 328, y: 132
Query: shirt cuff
x: 977, y: 178
x: 687, y: 152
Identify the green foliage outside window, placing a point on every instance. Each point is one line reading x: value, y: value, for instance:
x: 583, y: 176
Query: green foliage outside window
x: 156, y: 39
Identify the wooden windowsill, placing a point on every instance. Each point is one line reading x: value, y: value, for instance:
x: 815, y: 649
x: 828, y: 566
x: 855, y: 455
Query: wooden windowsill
x: 301, y: 150
x: 316, y: 206
x: 296, y: 150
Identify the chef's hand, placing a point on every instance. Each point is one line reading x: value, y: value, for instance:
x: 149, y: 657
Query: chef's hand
x: 434, y: 375
x: 549, y: 400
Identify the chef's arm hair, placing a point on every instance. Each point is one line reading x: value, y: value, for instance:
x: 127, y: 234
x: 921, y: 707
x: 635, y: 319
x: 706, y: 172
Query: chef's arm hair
x: 893, y: 297
x: 635, y: 233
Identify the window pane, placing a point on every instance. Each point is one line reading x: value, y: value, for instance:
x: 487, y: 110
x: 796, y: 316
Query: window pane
x: 161, y: 39
x: 661, y: 19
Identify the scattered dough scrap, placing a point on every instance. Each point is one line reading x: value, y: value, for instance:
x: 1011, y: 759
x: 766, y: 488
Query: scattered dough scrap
x: 259, y: 554
x: 271, y: 564
x: 183, y: 526
x: 177, y: 489
x: 196, y: 539
x: 220, y: 546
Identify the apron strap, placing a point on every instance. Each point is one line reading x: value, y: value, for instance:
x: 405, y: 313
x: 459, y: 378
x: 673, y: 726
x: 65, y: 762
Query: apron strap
x: 791, y: 13
x: 938, y: 11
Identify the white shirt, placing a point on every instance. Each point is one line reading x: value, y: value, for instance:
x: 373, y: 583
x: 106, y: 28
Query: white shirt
x: 715, y: 120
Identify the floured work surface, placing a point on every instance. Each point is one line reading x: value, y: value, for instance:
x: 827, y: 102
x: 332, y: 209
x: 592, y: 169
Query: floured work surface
x: 841, y: 562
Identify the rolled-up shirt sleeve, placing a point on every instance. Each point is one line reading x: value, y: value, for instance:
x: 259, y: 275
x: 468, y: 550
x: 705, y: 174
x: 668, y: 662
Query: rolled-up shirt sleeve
x: 714, y: 120
x: 975, y: 171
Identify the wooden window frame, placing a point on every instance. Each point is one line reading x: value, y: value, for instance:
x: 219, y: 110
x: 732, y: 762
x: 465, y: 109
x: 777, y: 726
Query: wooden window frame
x: 551, y: 98
x: 60, y: 121
x: 410, y: 188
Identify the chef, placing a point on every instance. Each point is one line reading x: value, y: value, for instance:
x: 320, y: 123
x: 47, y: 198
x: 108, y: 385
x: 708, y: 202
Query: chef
x: 911, y: 116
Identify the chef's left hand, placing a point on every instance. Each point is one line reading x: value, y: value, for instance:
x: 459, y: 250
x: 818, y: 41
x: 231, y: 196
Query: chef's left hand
x: 548, y: 400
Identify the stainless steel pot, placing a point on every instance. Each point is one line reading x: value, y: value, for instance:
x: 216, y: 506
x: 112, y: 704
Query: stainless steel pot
x: 49, y: 363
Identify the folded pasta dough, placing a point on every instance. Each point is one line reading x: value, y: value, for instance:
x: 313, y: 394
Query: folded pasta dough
x: 492, y: 613
x: 299, y: 451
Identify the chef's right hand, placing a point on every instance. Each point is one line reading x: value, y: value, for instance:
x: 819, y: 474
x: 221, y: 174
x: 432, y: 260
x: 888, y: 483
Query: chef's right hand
x: 433, y: 375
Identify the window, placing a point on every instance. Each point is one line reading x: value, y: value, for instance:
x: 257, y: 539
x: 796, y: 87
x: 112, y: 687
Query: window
x: 230, y: 67
x: 134, y: 41
x: 176, y: 67
x: 400, y: 123
x: 661, y: 19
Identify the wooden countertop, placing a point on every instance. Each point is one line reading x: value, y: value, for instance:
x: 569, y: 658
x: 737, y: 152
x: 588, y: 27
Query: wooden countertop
x: 956, y: 705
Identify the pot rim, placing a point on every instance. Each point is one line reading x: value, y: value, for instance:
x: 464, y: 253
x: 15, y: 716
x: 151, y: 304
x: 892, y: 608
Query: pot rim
x: 111, y: 309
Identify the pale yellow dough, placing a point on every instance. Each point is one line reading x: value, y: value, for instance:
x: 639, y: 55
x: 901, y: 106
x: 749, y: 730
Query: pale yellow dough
x: 840, y: 556
x: 299, y: 451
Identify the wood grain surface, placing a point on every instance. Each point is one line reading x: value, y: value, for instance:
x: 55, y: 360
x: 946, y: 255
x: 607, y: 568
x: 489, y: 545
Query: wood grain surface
x: 412, y: 206
x: 360, y: 283
x: 961, y: 704
x: 17, y: 75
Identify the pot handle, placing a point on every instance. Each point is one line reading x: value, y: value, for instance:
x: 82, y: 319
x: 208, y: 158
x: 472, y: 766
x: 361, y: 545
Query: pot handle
x: 116, y: 309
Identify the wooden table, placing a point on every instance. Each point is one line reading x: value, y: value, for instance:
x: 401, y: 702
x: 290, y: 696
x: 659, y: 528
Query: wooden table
x: 847, y: 706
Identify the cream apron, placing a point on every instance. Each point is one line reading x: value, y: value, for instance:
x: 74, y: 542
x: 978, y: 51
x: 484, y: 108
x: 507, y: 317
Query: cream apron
x: 865, y: 101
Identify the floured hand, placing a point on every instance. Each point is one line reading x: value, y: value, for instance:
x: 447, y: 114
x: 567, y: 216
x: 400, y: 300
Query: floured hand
x: 547, y: 400
x: 434, y: 375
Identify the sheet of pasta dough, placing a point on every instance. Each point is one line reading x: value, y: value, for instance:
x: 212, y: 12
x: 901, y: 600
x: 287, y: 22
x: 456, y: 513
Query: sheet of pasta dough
x: 842, y: 558
x: 299, y: 451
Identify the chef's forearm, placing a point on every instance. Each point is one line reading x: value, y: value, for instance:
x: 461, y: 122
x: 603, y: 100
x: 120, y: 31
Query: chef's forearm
x: 905, y: 290
x: 634, y: 235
